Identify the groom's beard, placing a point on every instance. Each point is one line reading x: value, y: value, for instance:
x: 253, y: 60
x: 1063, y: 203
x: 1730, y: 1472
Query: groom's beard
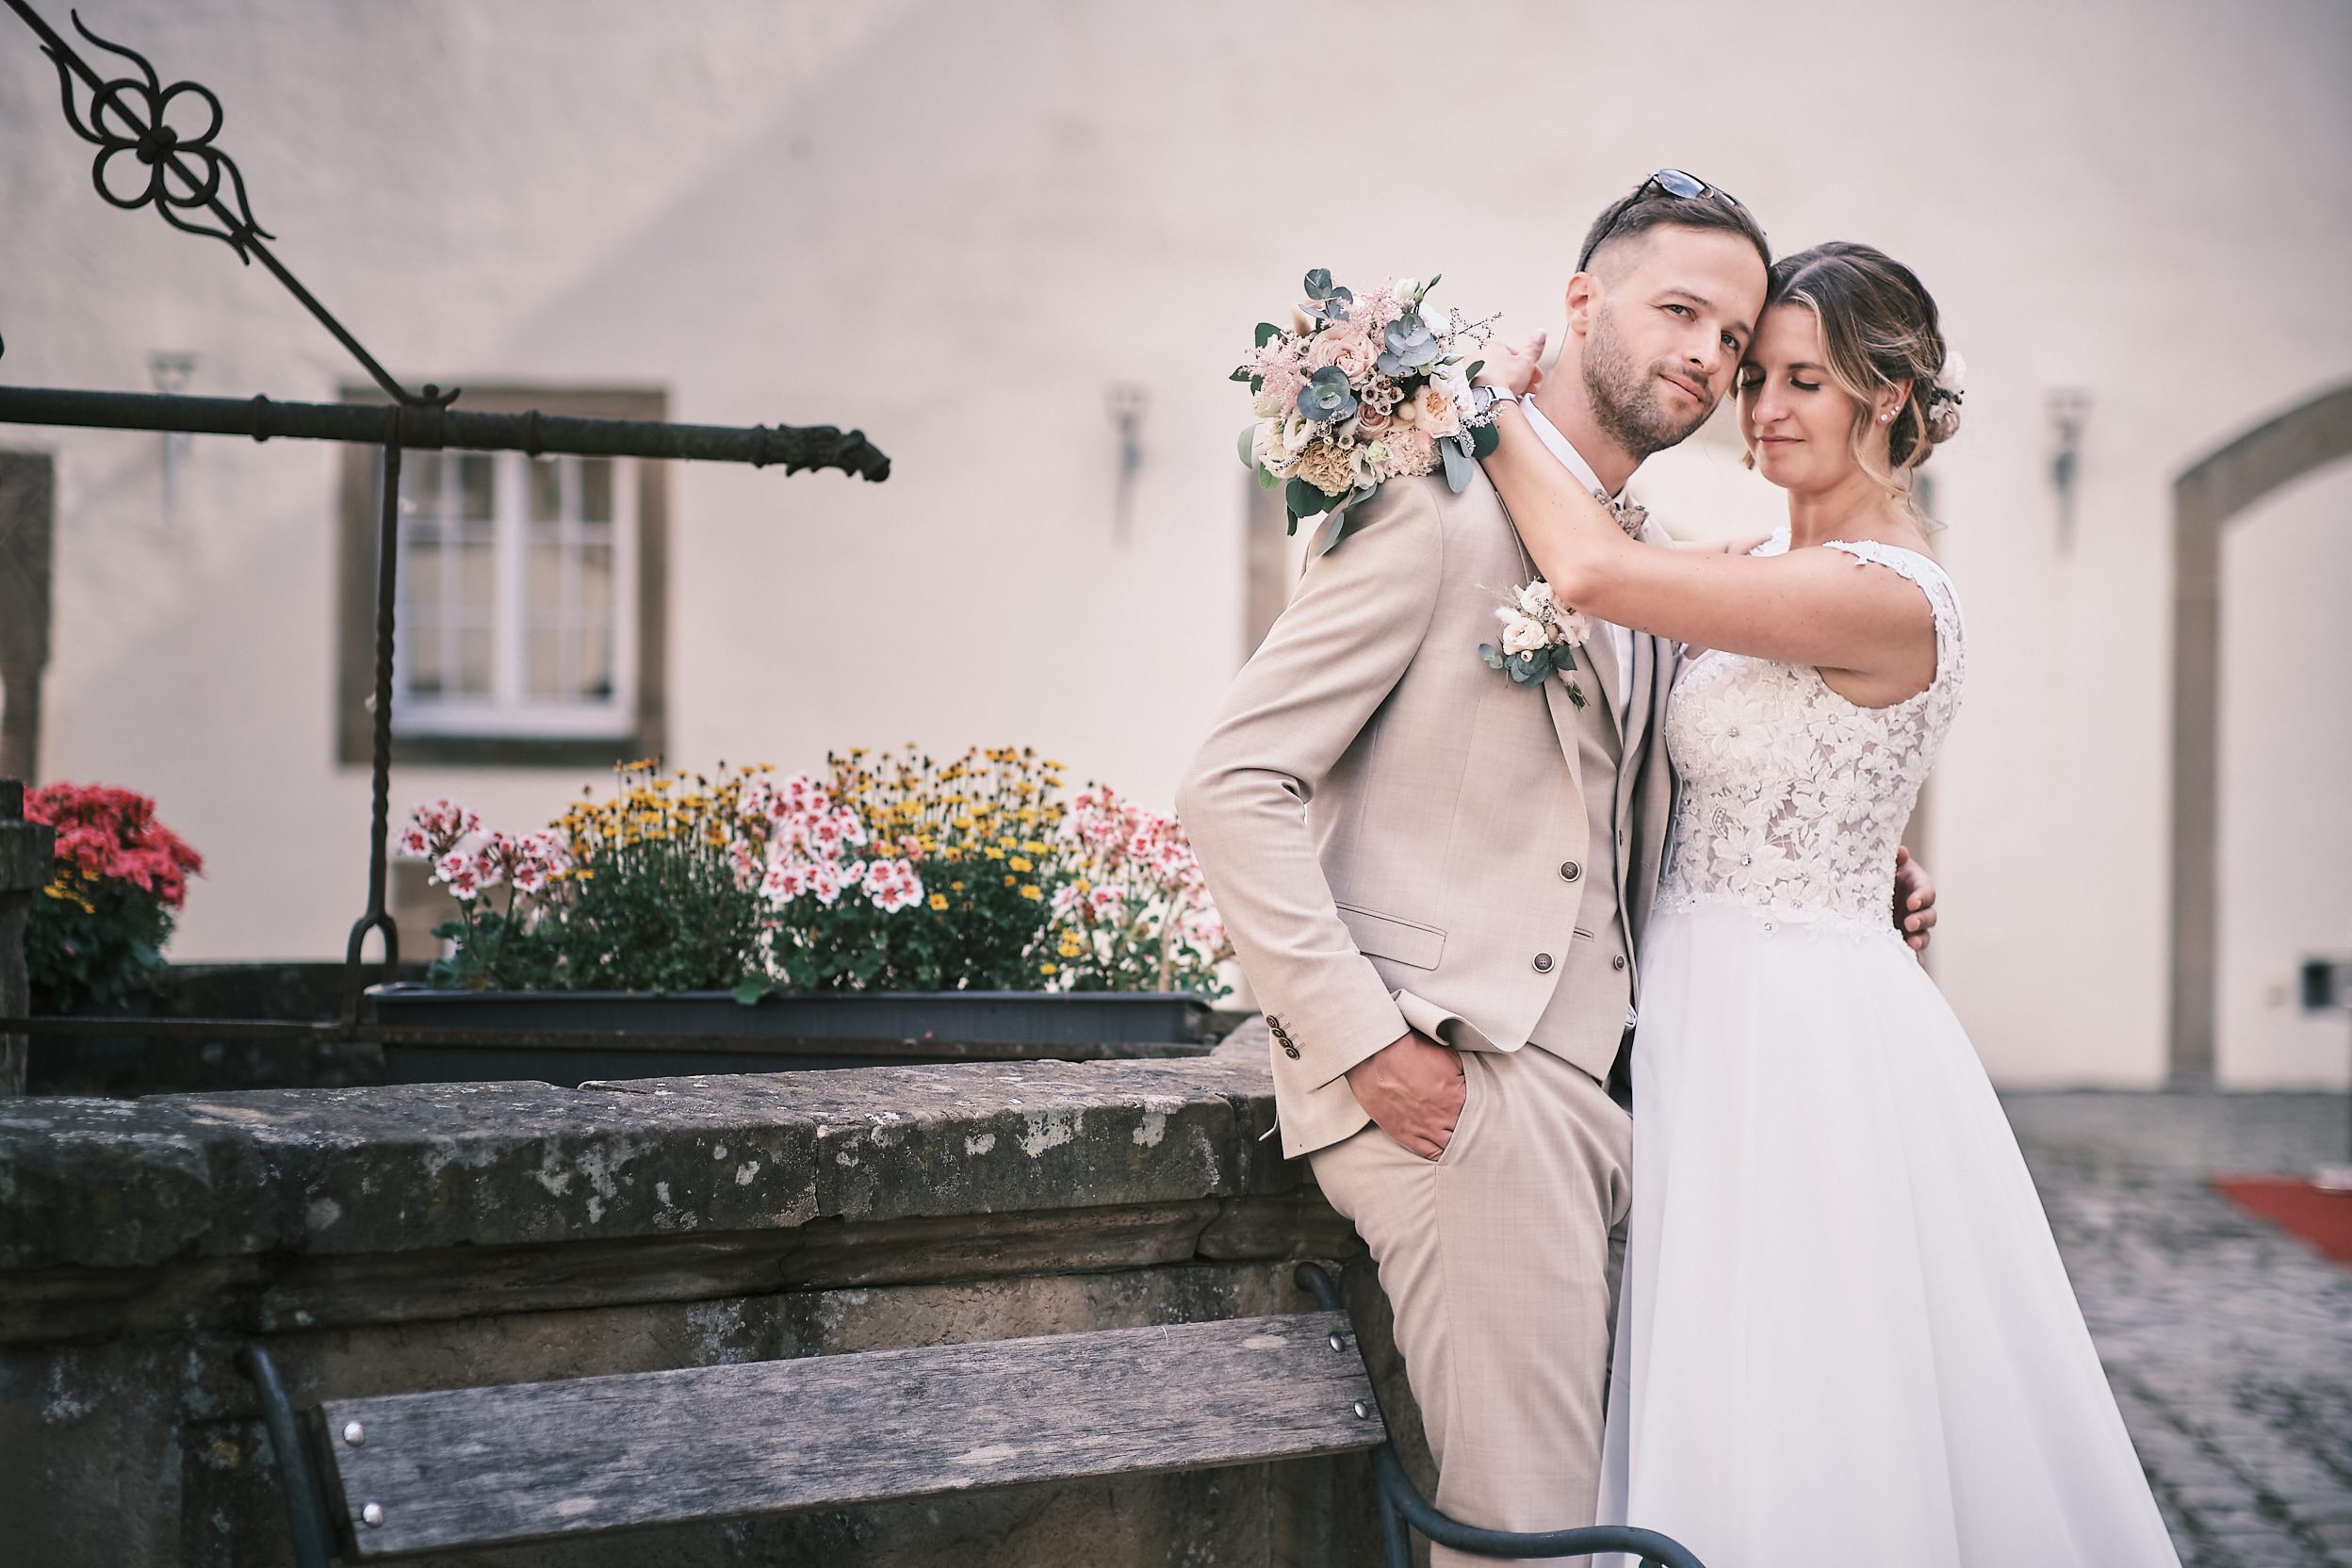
x: 1627, y: 402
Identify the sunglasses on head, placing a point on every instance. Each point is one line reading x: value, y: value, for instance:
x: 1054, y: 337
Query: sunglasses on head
x: 1666, y: 182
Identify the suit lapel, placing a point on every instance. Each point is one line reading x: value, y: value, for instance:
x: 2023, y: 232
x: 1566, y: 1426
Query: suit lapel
x: 1564, y: 721
x: 1599, y: 657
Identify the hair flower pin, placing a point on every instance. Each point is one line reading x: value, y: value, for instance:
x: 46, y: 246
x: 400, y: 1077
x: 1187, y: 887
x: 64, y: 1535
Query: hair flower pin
x: 1950, y: 385
x: 1540, y: 638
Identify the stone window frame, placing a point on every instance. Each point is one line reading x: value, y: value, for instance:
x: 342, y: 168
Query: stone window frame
x: 355, y: 633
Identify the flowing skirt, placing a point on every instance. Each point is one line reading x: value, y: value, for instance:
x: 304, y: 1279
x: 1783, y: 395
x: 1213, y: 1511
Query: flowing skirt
x: 1845, y: 1336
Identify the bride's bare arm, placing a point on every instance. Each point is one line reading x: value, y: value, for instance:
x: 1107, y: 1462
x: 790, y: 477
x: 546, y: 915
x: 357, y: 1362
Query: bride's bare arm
x: 1807, y: 607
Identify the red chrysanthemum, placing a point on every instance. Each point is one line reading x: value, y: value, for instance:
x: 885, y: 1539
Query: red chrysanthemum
x: 105, y: 833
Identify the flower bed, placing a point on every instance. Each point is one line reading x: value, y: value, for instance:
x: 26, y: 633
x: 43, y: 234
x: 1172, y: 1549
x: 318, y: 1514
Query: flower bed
x: 891, y: 873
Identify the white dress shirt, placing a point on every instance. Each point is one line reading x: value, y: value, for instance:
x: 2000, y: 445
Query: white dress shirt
x: 1620, y: 639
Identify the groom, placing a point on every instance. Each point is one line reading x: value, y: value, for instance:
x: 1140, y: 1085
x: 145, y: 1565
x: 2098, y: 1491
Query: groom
x: 1435, y: 878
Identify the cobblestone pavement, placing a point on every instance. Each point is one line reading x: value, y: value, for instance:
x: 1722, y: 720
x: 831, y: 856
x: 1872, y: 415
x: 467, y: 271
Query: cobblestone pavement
x: 2229, y: 1342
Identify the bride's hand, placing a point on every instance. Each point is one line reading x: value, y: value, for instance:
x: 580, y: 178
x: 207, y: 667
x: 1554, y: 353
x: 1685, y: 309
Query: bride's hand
x: 1513, y: 367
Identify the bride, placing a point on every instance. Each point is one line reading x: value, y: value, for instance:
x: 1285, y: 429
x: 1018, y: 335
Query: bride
x: 1845, y: 1336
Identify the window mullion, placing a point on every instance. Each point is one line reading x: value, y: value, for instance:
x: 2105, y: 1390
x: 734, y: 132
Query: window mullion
x: 511, y: 513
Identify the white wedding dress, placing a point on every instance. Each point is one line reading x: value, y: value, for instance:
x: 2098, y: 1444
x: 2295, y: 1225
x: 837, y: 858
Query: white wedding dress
x: 1845, y: 1338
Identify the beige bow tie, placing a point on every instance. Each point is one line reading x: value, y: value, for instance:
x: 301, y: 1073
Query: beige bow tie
x: 1630, y: 516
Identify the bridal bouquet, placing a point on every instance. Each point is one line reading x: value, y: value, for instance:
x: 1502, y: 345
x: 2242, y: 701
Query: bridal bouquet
x: 1362, y: 389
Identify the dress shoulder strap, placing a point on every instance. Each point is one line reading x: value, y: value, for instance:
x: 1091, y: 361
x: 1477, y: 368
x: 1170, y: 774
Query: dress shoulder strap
x: 1943, y: 599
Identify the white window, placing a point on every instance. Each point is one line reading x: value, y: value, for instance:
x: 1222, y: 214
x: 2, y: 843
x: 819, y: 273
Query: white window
x: 517, y: 593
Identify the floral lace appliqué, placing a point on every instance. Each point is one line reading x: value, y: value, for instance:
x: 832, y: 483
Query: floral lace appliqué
x: 1792, y: 799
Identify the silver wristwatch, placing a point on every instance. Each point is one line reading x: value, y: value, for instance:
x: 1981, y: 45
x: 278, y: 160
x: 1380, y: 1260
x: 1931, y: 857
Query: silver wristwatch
x: 1497, y: 395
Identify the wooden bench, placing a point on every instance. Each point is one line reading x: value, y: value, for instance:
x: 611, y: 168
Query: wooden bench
x: 400, y: 1473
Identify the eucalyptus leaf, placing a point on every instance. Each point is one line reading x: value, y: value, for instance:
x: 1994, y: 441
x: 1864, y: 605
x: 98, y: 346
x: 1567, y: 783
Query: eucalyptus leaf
x: 1291, y: 526
x: 1493, y: 660
x: 1484, y: 439
x: 1472, y: 373
x: 1459, y: 465
x: 1248, y: 440
x: 1319, y: 282
x: 1267, y: 479
x: 1304, y: 500
x: 1327, y: 536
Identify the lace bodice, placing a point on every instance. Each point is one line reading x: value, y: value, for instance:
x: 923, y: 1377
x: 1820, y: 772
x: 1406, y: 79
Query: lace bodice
x: 1792, y: 799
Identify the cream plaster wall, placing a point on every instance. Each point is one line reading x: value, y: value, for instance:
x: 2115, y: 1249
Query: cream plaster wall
x: 958, y: 226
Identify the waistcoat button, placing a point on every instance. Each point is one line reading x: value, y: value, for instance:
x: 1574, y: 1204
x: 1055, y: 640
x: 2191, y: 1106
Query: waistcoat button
x: 1542, y: 963
x: 1618, y: 962
x: 1569, y: 871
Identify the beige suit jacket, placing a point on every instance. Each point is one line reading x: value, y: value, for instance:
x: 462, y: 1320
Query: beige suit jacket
x: 1384, y: 820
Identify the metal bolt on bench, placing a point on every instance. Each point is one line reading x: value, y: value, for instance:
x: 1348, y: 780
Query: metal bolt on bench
x: 455, y: 1468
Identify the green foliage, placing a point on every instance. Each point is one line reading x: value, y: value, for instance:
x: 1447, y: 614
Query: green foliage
x: 91, y: 945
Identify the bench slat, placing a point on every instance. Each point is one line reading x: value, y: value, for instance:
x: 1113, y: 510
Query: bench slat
x: 528, y: 1460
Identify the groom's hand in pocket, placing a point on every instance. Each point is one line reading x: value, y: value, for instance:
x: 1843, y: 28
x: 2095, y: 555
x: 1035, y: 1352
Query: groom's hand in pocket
x: 1414, y: 1089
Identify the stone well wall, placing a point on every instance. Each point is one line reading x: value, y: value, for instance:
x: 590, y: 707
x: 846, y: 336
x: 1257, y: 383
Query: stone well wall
x: 386, y: 1239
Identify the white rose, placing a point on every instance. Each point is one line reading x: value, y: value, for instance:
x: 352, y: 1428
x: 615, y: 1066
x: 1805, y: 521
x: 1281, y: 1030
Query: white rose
x: 1525, y: 636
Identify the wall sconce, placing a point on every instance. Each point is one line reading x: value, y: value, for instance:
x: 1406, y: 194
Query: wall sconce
x: 170, y: 372
x: 2069, y: 409
x: 1127, y: 401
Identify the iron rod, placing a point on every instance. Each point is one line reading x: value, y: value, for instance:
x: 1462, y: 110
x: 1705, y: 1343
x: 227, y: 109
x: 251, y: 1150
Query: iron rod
x: 380, y: 755
x: 305, y: 1502
x: 791, y: 446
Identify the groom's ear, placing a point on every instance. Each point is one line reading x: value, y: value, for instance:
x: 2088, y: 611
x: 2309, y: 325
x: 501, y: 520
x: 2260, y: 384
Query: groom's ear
x: 1581, y: 301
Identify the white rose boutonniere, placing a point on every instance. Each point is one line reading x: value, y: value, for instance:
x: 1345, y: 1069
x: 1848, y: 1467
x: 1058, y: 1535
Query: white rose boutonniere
x: 1540, y: 638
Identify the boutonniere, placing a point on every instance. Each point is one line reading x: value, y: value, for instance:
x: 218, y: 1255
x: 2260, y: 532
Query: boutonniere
x: 1540, y: 638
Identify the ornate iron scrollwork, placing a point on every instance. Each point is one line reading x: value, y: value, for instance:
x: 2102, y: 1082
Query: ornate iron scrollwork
x: 132, y: 115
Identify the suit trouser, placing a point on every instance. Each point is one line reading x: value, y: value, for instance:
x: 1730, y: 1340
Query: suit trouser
x: 1500, y: 1260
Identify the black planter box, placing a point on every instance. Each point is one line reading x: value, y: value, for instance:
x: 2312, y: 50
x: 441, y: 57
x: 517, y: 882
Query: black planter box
x: 443, y: 1037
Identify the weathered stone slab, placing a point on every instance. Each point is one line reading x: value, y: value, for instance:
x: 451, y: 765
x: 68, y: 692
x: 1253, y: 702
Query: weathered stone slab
x: 107, y: 1183
x: 984, y: 1137
x: 415, y: 1167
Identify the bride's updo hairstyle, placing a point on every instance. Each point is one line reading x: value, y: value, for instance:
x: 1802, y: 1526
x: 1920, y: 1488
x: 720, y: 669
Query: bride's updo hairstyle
x: 1878, y: 330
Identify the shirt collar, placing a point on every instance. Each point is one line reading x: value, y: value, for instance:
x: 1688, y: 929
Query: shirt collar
x: 1562, y: 448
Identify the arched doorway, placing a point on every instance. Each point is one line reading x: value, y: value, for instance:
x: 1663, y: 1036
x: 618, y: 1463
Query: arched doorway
x: 2206, y: 499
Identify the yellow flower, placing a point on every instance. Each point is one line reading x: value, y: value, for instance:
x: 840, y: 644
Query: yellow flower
x: 1084, y: 886
x: 1036, y: 846
x: 955, y: 887
x: 992, y: 852
x: 1071, y: 947
x: 1010, y: 880
x: 1048, y: 968
x: 939, y: 900
x: 1031, y: 891
x: 1019, y: 863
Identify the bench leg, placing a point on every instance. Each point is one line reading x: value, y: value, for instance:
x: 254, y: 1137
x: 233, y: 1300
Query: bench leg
x: 1401, y: 1499
x: 306, y: 1504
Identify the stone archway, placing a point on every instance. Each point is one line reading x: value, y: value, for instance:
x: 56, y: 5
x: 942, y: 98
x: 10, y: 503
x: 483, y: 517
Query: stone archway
x: 2205, y: 500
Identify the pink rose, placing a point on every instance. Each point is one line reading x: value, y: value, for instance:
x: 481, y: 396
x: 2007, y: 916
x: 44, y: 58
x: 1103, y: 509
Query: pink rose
x: 1347, y: 348
x: 1435, y: 412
